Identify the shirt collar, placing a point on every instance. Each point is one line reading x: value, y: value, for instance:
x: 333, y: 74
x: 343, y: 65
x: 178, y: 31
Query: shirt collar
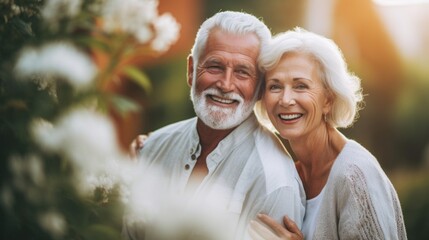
x: 234, y: 139
x: 195, y: 140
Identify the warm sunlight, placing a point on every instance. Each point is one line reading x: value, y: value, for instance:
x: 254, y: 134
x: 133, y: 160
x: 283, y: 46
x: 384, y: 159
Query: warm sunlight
x: 406, y: 21
x: 399, y: 2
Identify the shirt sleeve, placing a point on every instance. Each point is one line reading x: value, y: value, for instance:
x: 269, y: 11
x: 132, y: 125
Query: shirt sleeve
x: 285, y: 201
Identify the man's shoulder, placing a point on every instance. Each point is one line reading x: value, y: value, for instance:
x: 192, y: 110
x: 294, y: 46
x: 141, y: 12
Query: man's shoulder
x: 173, y: 129
x: 270, y: 148
x: 169, y: 135
x: 277, y: 165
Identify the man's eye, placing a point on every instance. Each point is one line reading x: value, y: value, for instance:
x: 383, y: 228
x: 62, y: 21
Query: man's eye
x: 242, y: 74
x: 214, y: 69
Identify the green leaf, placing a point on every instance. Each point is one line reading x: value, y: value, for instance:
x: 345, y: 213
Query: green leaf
x: 139, y: 77
x: 98, y: 231
x: 93, y: 43
x: 123, y: 105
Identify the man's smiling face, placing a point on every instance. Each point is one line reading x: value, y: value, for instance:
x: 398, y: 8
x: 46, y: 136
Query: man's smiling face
x: 223, y: 92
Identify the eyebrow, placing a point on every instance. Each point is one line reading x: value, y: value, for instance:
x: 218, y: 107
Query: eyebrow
x: 212, y: 60
x: 294, y: 79
x: 272, y: 80
x: 244, y: 66
x: 301, y: 78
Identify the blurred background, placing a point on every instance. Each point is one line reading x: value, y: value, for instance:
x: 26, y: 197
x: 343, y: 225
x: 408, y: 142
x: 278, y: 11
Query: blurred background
x: 385, y: 42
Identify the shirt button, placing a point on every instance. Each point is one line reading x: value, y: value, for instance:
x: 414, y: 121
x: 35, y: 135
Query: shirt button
x: 187, y: 167
x: 193, y: 157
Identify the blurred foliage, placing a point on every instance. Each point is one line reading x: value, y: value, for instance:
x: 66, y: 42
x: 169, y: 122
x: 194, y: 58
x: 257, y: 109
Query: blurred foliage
x: 412, y: 186
x: 39, y: 198
x: 412, y: 117
x: 170, y: 100
x: 20, y: 102
x: 415, y: 205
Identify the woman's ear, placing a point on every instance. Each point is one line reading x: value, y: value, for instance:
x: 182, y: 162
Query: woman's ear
x: 190, y: 73
x: 329, y: 102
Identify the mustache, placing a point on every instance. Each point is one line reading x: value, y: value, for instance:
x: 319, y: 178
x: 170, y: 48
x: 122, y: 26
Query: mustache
x: 217, y: 92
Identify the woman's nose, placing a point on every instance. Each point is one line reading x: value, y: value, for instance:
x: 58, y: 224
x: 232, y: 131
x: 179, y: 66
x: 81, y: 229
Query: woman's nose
x: 287, y: 98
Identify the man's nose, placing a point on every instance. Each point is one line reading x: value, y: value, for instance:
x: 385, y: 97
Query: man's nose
x: 226, y: 82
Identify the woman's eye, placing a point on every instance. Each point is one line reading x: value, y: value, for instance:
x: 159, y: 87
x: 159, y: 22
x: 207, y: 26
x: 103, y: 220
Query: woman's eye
x: 274, y: 87
x: 301, y: 86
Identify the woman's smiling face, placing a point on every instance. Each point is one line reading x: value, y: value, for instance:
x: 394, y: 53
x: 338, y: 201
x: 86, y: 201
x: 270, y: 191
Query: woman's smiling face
x: 295, y: 97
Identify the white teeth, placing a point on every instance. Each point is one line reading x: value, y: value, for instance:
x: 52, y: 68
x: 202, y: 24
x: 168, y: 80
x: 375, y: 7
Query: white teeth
x: 289, y: 116
x: 222, y: 100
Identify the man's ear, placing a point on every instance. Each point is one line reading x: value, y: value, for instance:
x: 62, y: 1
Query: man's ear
x: 190, y: 73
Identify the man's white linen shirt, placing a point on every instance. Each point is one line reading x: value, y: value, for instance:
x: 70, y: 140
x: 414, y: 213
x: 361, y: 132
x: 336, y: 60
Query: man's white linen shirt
x: 249, y: 170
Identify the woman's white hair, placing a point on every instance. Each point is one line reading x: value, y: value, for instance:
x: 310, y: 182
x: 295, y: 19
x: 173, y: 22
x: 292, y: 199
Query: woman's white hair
x: 344, y: 86
x: 239, y: 23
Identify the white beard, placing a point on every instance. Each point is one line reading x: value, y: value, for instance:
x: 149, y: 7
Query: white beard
x: 218, y: 117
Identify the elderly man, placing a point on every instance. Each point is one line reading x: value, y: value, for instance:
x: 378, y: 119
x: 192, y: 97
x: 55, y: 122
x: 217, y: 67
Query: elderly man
x: 224, y: 151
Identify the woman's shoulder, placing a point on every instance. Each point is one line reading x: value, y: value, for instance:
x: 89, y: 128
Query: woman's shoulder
x: 364, y: 193
x: 355, y: 163
x: 354, y: 155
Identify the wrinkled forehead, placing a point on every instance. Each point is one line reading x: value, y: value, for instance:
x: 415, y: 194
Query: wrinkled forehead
x: 230, y: 47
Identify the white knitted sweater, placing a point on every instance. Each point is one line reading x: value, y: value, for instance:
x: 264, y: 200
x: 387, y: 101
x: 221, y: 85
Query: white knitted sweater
x: 359, y: 201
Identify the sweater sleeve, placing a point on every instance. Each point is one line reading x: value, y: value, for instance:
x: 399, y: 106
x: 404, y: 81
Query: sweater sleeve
x: 357, y: 218
x: 368, y: 209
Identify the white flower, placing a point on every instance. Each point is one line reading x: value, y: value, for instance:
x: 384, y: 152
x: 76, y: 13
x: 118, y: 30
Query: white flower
x: 53, y: 222
x: 130, y: 16
x: 169, y: 214
x: 85, y: 136
x: 88, y: 139
x: 58, y: 59
x: 42, y: 132
x: 167, y: 32
x: 53, y: 10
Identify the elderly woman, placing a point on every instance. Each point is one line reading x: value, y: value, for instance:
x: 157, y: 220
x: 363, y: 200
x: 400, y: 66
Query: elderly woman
x: 308, y: 95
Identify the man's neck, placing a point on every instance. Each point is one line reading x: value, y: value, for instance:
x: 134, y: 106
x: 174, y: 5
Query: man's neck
x: 209, y: 137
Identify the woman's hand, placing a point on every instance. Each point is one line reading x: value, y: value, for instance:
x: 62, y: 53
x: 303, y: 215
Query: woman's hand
x: 136, y: 145
x: 274, y: 231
